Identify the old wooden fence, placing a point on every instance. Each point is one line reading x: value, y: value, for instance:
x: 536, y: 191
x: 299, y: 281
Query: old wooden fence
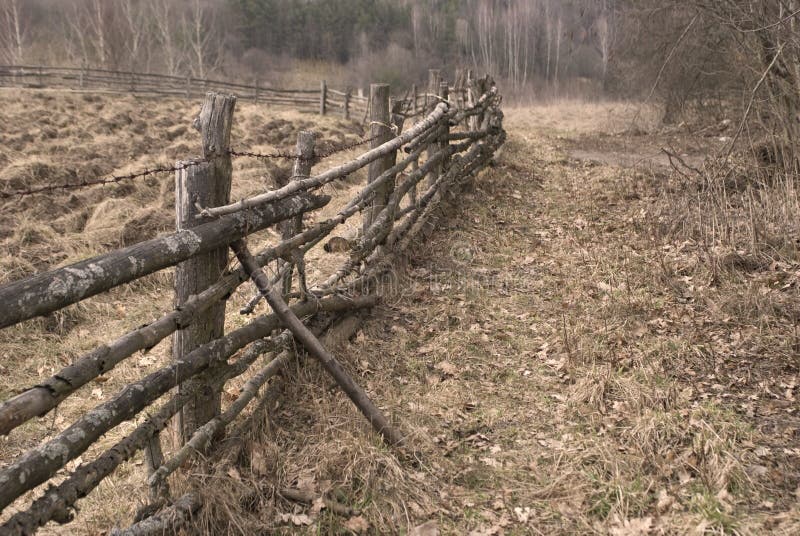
x: 412, y: 169
x: 348, y: 102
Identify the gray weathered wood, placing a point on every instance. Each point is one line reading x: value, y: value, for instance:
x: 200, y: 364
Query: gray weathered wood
x: 310, y: 342
x: 303, y: 164
x: 347, y: 95
x: 340, y: 171
x: 323, y: 97
x: 434, y: 81
x: 380, y: 133
x: 42, y: 462
x: 44, y: 293
x: 207, y: 185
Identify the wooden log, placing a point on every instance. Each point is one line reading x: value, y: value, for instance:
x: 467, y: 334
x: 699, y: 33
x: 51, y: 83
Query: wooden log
x: 380, y: 132
x: 167, y: 521
x: 202, y: 437
x: 42, y: 462
x: 205, y: 185
x: 43, y: 397
x: 289, y: 319
x: 44, y: 293
x: 337, y: 172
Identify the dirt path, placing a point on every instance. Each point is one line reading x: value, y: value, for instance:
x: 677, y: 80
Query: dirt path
x: 560, y: 375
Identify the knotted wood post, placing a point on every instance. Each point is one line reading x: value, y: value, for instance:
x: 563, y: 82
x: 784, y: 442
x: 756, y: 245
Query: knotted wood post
x: 323, y: 97
x: 207, y: 184
x: 380, y: 133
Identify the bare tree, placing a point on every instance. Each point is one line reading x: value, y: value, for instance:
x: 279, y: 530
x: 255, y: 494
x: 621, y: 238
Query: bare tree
x: 138, y: 37
x: 205, y: 44
x: 605, y: 36
x: 12, y: 39
x: 164, y: 16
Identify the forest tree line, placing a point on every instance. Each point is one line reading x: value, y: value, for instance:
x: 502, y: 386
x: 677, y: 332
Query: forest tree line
x: 520, y: 41
x: 683, y: 54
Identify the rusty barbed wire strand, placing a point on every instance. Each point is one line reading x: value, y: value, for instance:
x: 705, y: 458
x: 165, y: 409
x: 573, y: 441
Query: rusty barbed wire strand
x: 115, y: 179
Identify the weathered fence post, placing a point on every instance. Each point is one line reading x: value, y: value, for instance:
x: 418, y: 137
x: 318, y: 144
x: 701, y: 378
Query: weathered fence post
x: 323, y: 97
x: 444, y: 93
x: 206, y: 184
x: 302, y: 168
x: 434, y: 147
x: 458, y: 85
x: 347, y: 93
x: 470, y: 96
x: 434, y: 80
x: 380, y: 132
x: 414, y: 99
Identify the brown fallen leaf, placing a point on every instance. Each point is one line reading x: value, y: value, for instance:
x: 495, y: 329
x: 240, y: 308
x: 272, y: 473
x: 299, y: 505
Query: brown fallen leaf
x: 357, y: 524
x: 429, y: 528
x: 446, y: 368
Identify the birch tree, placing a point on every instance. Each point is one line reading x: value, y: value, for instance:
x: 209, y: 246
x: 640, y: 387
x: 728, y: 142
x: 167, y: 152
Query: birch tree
x: 13, y: 35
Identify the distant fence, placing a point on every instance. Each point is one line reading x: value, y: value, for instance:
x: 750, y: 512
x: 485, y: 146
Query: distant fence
x: 410, y: 173
x: 349, y: 102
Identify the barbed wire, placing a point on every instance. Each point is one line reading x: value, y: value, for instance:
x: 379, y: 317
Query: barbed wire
x: 115, y: 179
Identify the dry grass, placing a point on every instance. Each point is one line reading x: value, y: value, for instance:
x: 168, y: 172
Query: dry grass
x: 89, y: 136
x: 557, y: 370
x: 564, y: 355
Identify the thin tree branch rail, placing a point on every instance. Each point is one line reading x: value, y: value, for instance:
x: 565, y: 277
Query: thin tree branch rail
x: 446, y: 146
x: 315, y: 348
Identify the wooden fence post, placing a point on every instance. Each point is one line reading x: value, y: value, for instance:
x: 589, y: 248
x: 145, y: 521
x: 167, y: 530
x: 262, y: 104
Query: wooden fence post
x: 323, y: 97
x: 207, y: 184
x: 302, y: 168
x: 434, y: 147
x: 380, y: 132
x: 414, y: 99
x: 444, y: 93
x: 434, y: 80
x: 347, y: 93
x: 470, y: 97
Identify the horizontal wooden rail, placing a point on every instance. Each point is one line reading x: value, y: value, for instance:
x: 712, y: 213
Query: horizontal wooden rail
x: 397, y: 215
x: 44, y: 293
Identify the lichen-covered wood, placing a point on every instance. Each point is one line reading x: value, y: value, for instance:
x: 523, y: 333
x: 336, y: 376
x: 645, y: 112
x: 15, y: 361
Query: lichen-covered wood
x: 53, y: 290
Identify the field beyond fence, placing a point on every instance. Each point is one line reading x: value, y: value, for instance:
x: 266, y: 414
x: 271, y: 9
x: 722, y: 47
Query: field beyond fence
x: 422, y: 148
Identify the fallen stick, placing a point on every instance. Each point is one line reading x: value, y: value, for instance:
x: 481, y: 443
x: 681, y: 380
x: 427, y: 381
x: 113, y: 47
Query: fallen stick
x: 304, y: 497
x: 314, y: 347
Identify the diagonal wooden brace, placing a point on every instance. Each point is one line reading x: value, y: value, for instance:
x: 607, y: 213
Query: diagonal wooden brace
x: 314, y: 347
